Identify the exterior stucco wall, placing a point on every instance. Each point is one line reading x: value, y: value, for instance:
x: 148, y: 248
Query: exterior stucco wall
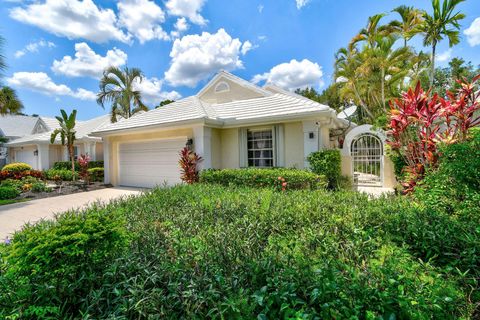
x: 389, y: 180
x: 99, y: 151
x: 230, y: 157
x: 216, y: 148
x: 55, y: 154
x: 114, y: 141
x: 293, y: 145
x: 237, y: 92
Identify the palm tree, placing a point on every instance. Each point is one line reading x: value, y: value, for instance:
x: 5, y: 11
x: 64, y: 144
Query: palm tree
x: 371, y: 32
x: 9, y: 101
x: 67, y: 134
x: 443, y: 23
x: 409, y: 26
x: 118, y: 88
x: 3, y: 65
x: 387, y: 62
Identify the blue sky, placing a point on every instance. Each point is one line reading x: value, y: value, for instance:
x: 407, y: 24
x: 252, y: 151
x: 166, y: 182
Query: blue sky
x: 180, y: 44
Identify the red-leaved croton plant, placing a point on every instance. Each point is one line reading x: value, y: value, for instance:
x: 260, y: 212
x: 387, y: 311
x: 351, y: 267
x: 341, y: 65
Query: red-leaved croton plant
x: 188, y: 164
x: 419, y: 122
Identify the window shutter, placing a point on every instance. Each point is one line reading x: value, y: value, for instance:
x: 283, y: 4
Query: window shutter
x: 243, y: 151
x: 279, y: 145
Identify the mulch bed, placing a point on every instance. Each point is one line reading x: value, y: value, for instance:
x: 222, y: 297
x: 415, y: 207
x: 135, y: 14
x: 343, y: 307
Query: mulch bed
x: 66, y: 188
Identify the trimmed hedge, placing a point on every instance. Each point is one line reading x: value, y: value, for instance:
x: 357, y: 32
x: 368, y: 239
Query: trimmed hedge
x: 265, y: 178
x: 96, y: 174
x: 329, y: 164
x: 17, y: 167
x: 65, y: 175
x: 67, y: 165
x: 8, y: 193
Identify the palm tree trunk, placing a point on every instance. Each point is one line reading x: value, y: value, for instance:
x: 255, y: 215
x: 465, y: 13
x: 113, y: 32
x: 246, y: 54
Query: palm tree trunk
x: 432, y: 71
x: 383, y: 90
x: 72, y: 158
x: 362, y: 104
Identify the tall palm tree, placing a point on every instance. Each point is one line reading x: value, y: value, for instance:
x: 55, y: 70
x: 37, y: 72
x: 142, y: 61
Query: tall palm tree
x: 9, y: 101
x: 3, y: 65
x: 349, y: 80
x: 371, y: 32
x: 409, y: 26
x: 118, y: 88
x: 442, y: 23
x: 67, y: 134
x: 387, y: 62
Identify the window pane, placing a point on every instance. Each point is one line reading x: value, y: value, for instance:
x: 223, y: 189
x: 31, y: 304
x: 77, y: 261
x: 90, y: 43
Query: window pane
x: 260, y: 148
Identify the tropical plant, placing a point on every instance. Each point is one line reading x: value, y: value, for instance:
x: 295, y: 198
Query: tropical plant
x: 420, y: 122
x: 164, y: 103
x: 67, y: 134
x: 3, y: 65
x: 409, y: 25
x: 443, y: 22
x: 189, y: 165
x: 119, y: 87
x: 9, y: 101
x: 83, y: 161
x: 371, y: 32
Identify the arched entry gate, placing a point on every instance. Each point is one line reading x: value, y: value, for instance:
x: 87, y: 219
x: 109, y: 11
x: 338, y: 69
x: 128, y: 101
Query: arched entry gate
x: 367, y: 157
x: 363, y: 157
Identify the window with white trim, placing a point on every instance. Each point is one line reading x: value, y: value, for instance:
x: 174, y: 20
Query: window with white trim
x: 260, y: 148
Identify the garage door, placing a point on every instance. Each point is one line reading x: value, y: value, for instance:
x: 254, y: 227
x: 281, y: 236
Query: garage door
x: 150, y: 163
x: 27, y: 155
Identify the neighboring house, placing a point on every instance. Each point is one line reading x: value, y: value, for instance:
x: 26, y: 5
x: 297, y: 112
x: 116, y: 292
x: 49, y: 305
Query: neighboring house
x: 231, y: 123
x: 14, y: 127
x: 36, y: 149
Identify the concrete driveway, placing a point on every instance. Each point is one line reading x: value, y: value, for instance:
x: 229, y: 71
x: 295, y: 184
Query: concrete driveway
x: 14, y: 216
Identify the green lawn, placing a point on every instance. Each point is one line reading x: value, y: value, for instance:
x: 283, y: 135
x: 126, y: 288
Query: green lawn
x: 207, y: 251
x: 10, y: 201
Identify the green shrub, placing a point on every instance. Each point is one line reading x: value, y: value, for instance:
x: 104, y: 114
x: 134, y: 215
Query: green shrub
x: 329, y: 164
x: 67, y: 165
x: 52, y: 265
x: 8, y: 193
x: 264, y: 178
x: 65, y: 175
x: 455, y: 183
x: 40, y: 186
x: 96, y: 174
x: 17, y: 167
x: 12, y: 183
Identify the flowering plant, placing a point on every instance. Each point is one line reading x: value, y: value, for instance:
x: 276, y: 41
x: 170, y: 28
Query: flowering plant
x: 83, y: 161
x: 420, y: 121
x: 188, y: 165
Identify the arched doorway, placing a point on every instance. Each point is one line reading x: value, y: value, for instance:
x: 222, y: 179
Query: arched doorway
x: 367, y: 160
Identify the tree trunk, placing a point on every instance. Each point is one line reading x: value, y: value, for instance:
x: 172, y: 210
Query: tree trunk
x: 383, y: 90
x: 72, y: 158
x: 362, y: 104
x: 432, y: 71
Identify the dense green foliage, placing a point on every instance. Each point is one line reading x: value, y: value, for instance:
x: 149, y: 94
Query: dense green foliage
x: 265, y: 178
x: 329, y: 164
x: 17, y: 167
x: 207, y: 251
x: 64, y: 174
x: 67, y: 165
x: 96, y: 174
x: 8, y: 193
x: 455, y: 183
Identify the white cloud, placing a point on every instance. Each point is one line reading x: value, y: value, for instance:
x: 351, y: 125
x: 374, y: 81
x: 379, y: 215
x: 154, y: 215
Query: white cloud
x: 87, y: 63
x: 187, y: 8
x: 260, y: 8
x: 151, y: 89
x: 247, y: 46
x: 41, y: 82
x: 473, y: 33
x: 72, y: 19
x: 292, y: 75
x: 180, y: 26
x: 444, y: 56
x: 301, y: 3
x: 196, y: 57
x: 142, y: 18
x: 34, y: 47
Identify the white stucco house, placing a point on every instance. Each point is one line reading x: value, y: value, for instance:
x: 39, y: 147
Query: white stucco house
x: 231, y: 123
x: 36, y: 150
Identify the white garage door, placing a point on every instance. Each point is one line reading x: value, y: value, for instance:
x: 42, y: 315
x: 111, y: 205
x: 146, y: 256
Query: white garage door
x: 150, y: 163
x: 27, y: 155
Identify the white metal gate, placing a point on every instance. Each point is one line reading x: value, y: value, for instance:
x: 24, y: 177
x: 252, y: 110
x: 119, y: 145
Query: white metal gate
x: 367, y: 160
